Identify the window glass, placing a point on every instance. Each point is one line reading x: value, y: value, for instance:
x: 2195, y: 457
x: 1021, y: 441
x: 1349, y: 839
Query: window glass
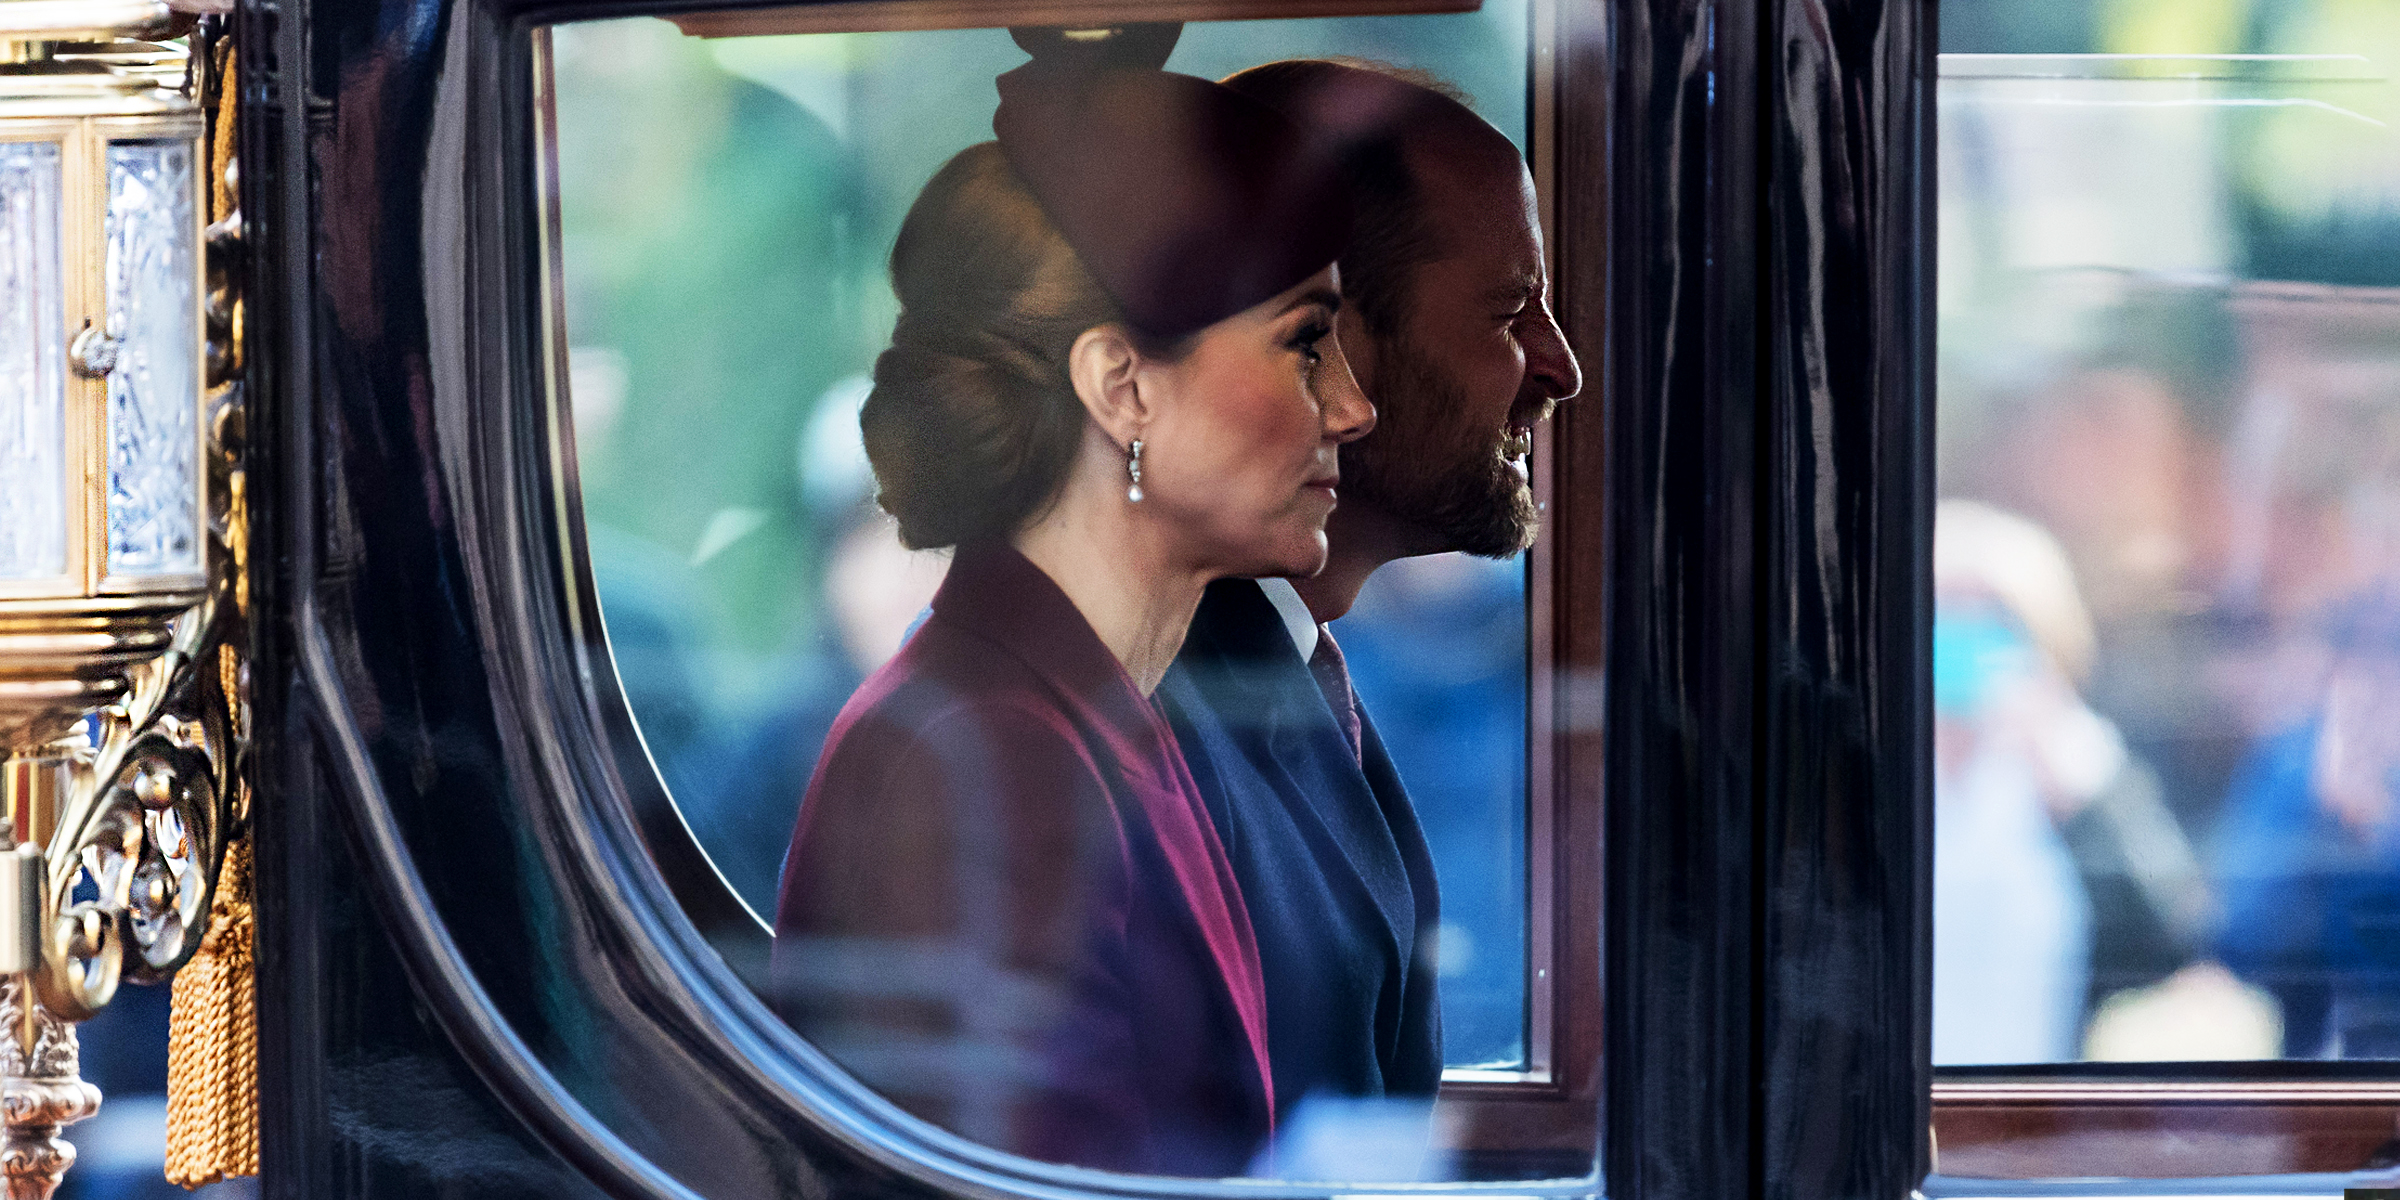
x: 2166, y: 641
x: 2166, y: 569
x: 728, y: 210
x: 2168, y: 589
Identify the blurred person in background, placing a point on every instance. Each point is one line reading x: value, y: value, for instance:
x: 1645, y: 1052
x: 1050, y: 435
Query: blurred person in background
x: 871, y: 593
x: 2119, y: 455
x: 2308, y: 847
x: 2018, y: 756
x: 1448, y: 326
x: 2309, y: 852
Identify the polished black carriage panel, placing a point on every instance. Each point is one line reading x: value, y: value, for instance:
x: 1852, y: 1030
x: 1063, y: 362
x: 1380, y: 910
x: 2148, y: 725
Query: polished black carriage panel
x: 478, y: 979
x: 1770, y: 391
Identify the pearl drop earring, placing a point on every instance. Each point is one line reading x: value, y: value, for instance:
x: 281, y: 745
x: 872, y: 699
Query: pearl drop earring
x: 1133, y: 469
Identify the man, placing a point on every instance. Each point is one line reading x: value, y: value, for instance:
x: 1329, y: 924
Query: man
x: 1448, y: 329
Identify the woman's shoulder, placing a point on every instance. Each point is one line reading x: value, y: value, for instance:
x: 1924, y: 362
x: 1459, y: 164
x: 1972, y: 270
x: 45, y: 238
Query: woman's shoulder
x: 927, y: 761
x: 944, y: 676
x: 955, y: 707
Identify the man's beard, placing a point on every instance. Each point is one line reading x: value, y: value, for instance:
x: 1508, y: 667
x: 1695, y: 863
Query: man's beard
x: 1425, y: 466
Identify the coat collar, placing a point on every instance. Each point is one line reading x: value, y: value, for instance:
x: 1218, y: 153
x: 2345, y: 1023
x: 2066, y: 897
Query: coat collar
x: 1297, y: 620
x: 1254, y: 682
x: 997, y: 594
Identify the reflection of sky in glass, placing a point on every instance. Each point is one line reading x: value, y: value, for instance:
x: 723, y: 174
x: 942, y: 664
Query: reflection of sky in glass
x: 33, y: 408
x: 722, y: 313
x: 1436, y: 647
x: 154, y: 391
x: 2169, y: 350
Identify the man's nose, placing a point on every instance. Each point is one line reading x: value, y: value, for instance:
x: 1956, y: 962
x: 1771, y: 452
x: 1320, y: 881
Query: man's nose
x: 1550, y: 363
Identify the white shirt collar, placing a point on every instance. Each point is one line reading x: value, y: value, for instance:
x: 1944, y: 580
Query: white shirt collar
x: 1297, y: 620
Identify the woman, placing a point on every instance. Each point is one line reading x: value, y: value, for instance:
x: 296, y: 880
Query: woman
x: 1113, y: 380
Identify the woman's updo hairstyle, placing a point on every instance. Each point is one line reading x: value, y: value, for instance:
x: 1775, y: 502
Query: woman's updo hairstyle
x: 973, y: 422
x: 1115, y: 193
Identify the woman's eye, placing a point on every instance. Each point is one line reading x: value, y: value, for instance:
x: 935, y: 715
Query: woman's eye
x: 1305, y: 341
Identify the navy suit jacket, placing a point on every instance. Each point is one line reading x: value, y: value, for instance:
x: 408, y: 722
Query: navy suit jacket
x: 1332, y: 863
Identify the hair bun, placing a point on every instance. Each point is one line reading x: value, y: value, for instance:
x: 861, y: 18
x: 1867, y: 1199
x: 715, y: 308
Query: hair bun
x: 1143, y: 46
x: 973, y: 423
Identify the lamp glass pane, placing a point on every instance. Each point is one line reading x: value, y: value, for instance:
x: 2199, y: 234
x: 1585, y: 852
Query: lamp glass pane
x: 33, y: 395
x: 153, y: 394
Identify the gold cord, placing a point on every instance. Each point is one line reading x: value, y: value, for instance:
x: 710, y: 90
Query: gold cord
x: 212, y: 1045
x: 212, y: 1039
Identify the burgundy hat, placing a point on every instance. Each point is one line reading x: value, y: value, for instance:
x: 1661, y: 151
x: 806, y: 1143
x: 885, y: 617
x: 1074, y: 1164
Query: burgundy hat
x: 1187, y: 201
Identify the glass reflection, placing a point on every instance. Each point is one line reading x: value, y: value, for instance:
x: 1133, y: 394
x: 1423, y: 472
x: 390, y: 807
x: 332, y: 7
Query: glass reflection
x: 2165, y: 563
x: 33, y: 378
x: 748, y: 599
x: 2174, y: 560
x: 153, y: 447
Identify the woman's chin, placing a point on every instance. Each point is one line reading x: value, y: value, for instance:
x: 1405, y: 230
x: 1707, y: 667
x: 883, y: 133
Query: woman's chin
x: 1297, y: 560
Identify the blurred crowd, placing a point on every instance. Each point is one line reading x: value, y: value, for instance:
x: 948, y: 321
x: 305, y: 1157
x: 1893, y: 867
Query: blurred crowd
x: 2167, y: 696
x: 2167, y: 558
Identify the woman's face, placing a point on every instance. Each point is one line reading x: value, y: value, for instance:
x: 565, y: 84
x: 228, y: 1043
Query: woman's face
x: 1239, y: 459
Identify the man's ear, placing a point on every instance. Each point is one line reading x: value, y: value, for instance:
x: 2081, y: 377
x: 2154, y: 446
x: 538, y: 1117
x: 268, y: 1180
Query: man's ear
x: 1106, y: 370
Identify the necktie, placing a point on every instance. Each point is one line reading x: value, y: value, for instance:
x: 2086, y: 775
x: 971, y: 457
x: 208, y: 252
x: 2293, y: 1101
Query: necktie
x: 1333, y: 678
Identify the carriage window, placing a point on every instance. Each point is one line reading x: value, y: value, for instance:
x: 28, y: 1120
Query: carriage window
x: 729, y: 208
x: 2166, y: 641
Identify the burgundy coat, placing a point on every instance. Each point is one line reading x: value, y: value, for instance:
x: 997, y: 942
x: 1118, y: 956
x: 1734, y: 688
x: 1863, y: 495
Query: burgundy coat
x: 1005, y: 906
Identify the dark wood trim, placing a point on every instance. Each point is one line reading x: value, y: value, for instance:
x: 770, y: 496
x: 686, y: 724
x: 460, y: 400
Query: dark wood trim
x: 883, y: 16
x: 2161, y: 1129
x: 2164, y: 1093
x: 1552, y: 1118
x: 1577, y: 161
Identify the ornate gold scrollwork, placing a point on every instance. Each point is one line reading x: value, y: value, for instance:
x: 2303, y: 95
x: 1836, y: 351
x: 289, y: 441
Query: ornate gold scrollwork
x: 135, y: 857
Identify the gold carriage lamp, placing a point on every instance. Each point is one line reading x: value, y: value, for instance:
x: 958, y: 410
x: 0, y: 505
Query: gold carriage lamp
x: 103, y: 541
x: 115, y: 761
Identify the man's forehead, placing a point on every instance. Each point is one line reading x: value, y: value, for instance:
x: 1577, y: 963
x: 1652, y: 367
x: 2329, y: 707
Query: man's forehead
x: 1485, y: 214
x: 1468, y: 158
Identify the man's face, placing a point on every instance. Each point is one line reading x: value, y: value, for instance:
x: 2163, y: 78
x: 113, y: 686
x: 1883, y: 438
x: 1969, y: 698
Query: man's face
x: 1476, y: 363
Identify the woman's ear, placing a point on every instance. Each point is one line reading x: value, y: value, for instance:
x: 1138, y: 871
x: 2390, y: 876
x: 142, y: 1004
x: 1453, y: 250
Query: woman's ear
x: 1106, y: 370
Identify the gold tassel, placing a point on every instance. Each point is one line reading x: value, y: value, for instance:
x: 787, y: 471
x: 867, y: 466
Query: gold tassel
x: 212, y: 1044
x: 212, y: 1038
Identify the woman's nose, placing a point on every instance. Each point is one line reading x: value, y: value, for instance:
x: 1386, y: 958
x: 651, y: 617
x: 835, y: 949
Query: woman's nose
x: 1348, y: 413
